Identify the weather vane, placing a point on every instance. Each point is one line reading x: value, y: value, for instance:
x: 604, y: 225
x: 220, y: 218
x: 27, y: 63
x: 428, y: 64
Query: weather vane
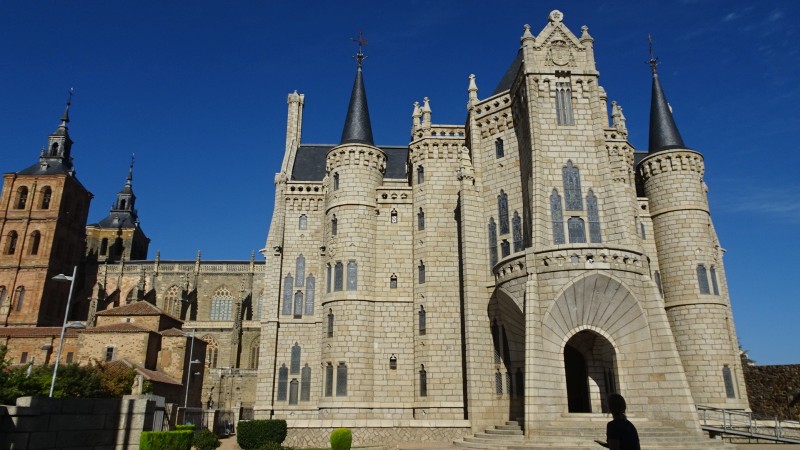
x: 653, y: 60
x: 361, y: 41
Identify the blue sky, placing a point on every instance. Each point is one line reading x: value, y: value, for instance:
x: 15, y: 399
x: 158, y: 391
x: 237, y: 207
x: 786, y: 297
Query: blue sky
x: 198, y: 91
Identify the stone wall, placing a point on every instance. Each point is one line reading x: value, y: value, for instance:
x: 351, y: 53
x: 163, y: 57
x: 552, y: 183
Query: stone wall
x: 72, y: 423
x: 774, y: 391
x: 374, y: 433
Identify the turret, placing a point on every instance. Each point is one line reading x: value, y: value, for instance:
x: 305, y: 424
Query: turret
x: 691, y: 270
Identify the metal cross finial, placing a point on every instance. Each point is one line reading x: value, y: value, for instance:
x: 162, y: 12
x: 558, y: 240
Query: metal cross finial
x: 71, y: 93
x: 361, y: 41
x: 653, y: 63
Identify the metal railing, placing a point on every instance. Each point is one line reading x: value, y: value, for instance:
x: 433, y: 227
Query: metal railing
x: 742, y: 424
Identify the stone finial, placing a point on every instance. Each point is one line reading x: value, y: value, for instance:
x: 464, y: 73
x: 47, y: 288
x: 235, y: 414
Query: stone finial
x: 555, y: 17
x: 585, y: 36
x: 465, y: 171
x: 426, y: 112
x: 527, y: 35
x: 415, y: 117
x: 473, y: 90
x: 617, y: 118
x: 294, y: 97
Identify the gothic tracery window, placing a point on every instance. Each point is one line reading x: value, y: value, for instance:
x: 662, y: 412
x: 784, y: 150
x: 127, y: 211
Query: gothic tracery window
x: 516, y: 231
x: 502, y: 212
x: 593, y: 213
x: 572, y: 187
x: 283, y: 383
x: 288, y: 283
x: 298, y: 304
x: 222, y: 304
x: 557, y: 217
x: 305, y: 384
x: 310, y: 290
x: 172, y: 304
x: 295, y: 361
x: 492, y: 230
x: 338, y: 276
x: 300, y: 270
x: 212, y: 350
x: 564, y: 103
x: 577, y: 230
x: 352, y: 275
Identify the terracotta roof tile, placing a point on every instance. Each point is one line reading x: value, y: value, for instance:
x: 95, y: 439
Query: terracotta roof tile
x: 174, y: 332
x: 36, y: 331
x: 152, y: 375
x: 134, y: 309
x: 122, y: 327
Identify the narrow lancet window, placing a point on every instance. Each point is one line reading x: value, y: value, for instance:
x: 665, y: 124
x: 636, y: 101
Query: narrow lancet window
x: 502, y: 212
x: 338, y: 276
x: 516, y: 231
x: 571, y: 178
x: 714, y: 284
x: 334, y: 225
x: 423, y: 322
x: 328, y: 380
x: 300, y: 270
x: 577, y: 230
x: 421, y: 272
x: 423, y: 381
x: 305, y: 384
x: 593, y: 211
x: 341, y: 380
x: 492, y: 228
x: 336, y: 181
x: 295, y: 362
x: 564, y: 103
x: 303, y: 222
x: 47, y: 195
x: 557, y: 217
x: 420, y: 174
x: 330, y: 323
x: 421, y: 220
x: 288, y: 283
x: 298, y: 304
x: 702, y: 279
x: 352, y: 275
x: 505, y: 248
x: 727, y: 377
x: 499, y: 151
x: 283, y: 381
x: 310, y: 290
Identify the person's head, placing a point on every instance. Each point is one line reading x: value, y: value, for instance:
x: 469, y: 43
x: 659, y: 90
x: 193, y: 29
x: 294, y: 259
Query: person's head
x: 616, y: 404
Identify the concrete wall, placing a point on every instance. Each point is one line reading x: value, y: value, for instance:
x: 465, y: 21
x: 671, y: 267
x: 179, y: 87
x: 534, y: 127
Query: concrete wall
x: 72, y: 423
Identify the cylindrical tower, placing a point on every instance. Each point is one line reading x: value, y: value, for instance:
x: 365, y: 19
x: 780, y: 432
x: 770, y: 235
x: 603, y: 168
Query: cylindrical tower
x: 692, y: 274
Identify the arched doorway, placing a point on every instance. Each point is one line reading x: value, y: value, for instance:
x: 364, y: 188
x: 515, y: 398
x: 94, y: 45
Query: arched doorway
x: 590, y: 372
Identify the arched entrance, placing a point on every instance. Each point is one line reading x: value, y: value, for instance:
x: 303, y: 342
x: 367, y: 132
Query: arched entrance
x: 590, y: 372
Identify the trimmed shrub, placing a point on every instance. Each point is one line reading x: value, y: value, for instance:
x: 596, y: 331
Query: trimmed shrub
x: 341, y: 438
x: 206, y: 440
x: 272, y: 446
x: 188, y: 426
x: 166, y: 440
x: 252, y: 434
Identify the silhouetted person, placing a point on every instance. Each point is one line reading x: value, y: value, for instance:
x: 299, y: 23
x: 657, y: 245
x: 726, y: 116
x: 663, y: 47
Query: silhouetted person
x: 620, y: 432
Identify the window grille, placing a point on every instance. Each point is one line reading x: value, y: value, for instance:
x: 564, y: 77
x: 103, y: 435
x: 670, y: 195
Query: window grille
x: 420, y: 174
x: 576, y: 229
x: 338, y: 270
x: 421, y: 220
x: 295, y: 361
x: 502, y: 212
x: 335, y: 181
x: 498, y: 383
x: 516, y: 231
x: 593, y: 212
x: 305, y: 384
x: 423, y: 321
x: 310, y: 291
x: 330, y: 323
x: 288, y: 283
x: 727, y: 377
x: 421, y: 272
x: 283, y: 381
x: 572, y: 187
x: 702, y: 279
x: 293, y: 388
x: 714, y: 284
x: 564, y: 103
x: 557, y: 217
x: 329, y: 380
x: 492, y: 242
x: 300, y: 270
x: 509, y: 384
x: 499, y: 152
x: 303, y: 222
x: 341, y: 380
x: 423, y: 381
x: 352, y: 275
x: 298, y: 304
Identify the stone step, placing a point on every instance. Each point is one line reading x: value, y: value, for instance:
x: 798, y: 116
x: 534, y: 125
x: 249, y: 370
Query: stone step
x: 508, y: 427
x: 483, y: 437
x: 505, y: 432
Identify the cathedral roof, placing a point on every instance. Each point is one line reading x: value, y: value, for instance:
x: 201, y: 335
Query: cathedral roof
x: 133, y: 309
x: 508, y: 78
x: 309, y: 162
x: 48, y: 168
x: 117, y: 219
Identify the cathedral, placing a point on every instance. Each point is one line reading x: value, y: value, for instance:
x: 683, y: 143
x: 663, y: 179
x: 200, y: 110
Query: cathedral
x: 509, y: 272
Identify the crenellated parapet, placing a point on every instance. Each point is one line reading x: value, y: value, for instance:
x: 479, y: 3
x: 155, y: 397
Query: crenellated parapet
x: 493, y: 115
x: 591, y: 258
x: 440, y: 147
x: 672, y: 161
x: 356, y: 155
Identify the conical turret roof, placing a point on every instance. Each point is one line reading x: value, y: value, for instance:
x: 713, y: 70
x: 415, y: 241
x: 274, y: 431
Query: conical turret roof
x: 357, y: 126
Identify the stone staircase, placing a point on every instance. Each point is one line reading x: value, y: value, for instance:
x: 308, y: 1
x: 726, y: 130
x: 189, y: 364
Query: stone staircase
x: 579, y: 432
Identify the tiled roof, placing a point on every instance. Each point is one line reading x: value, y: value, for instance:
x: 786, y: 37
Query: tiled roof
x: 36, y: 331
x: 173, y: 332
x: 152, y: 375
x: 122, y: 327
x: 134, y: 309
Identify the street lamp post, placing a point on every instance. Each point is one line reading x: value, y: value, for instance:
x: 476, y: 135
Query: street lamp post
x: 62, y: 277
x: 189, y: 375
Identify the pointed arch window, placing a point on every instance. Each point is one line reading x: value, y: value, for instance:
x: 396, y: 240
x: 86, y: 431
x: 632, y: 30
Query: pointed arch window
x: 54, y: 149
x: 298, y: 304
x: 288, y: 283
x: 222, y: 304
x: 420, y: 174
x: 492, y: 229
x: 36, y: 238
x: 727, y: 378
x: 571, y: 178
x: 556, y: 217
x: 499, y: 151
x: 714, y: 285
x: 302, y: 222
x: 22, y: 198
x: 295, y: 362
x: 11, y: 243
x: 505, y: 248
x: 421, y: 272
x: 300, y: 270
x: 341, y: 380
x: 334, y: 225
x: 20, y: 298
x: 305, y: 384
x: 593, y: 212
x: 577, y: 230
x: 702, y: 279
x: 104, y: 247
x: 421, y: 220
x: 502, y: 212
x: 293, y: 391
x: 283, y: 382
x: 172, y: 304
x: 423, y: 381
x: 330, y: 323
x: 335, y: 181
x: 328, y: 280
x: 516, y: 231
x: 423, y: 321
x: 130, y: 297
x: 393, y: 282
x: 564, y: 103
x: 352, y: 275
x: 212, y: 350
x: 47, y: 195
x: 310, y: 290
x: 328, y: 380
x: 338, y: 276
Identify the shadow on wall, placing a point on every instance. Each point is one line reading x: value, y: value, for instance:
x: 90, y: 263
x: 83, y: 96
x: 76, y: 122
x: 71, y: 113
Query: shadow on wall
x: 63, y: 423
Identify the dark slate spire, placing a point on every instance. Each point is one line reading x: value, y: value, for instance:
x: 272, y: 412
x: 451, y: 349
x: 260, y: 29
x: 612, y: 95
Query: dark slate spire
x: 123, y: 213
x: 664, y: 134
x: 357, y: 127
